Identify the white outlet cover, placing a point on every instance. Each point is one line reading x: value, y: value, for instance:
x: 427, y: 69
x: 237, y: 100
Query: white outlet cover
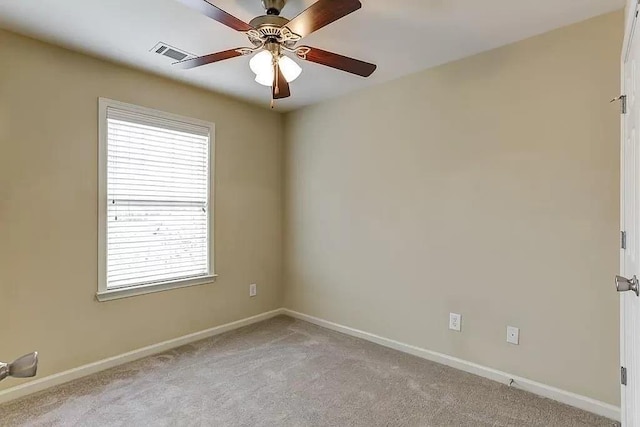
x: 513, y: 335
x: 253, y: 290
x: 455, y: 321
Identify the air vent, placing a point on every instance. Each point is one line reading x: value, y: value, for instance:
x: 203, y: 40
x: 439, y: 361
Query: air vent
x: 171, y: 52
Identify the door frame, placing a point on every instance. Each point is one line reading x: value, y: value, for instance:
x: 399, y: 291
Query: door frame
x: 632, y: 11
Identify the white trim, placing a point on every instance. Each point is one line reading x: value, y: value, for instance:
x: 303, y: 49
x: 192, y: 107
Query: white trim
x: 82, y: 371
x: 149, y: 288
x: 102, y: 194
x: 103, y: 293
x: 631, y: 18
x: 153, y: 112
x: 630, y: 15
x: 569, y: 398
x: 622, y: 258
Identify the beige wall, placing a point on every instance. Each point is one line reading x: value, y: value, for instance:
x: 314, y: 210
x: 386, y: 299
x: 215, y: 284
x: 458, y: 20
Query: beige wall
x: 48, y: 210
x: 486, y: 187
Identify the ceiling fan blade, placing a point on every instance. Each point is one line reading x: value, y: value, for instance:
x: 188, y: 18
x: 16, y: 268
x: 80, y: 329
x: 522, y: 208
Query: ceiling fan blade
x: 333, y: 60
x: 208, y: 59
x: 321, y: 13
x: 218, y: 14
x: 280, y: 88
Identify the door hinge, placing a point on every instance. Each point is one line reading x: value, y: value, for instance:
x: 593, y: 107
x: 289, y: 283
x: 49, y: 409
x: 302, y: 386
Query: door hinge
x: 623, y: 239
x: 623, y: 375
x: 623, y: 103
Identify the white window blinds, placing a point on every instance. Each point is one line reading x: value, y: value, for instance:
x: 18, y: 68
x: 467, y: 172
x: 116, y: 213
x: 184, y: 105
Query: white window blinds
x: 157, y: 207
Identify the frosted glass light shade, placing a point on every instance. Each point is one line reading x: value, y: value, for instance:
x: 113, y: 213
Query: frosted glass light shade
x: 290, y: 69
x: 266, y: 78
x: 261, y: 63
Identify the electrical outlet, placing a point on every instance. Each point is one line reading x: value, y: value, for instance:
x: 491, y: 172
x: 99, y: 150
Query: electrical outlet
x: 253, y: 290
x: 455, y: 321
x: 513, y: 335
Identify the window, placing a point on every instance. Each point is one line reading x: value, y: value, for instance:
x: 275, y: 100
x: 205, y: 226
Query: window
x: 155, y: 201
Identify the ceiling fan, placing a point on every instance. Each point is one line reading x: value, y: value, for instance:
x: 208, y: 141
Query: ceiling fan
x: 271, y: 35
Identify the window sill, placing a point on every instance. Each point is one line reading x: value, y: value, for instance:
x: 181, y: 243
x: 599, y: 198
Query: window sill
x: 133, y: 291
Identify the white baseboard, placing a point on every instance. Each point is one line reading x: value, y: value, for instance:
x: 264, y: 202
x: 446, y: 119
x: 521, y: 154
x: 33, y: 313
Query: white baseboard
x: 72, y: 374
x: 563, y: 396
x: 569, y: 398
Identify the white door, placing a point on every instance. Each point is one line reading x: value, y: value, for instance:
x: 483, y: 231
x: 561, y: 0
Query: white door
x: 630, y: 213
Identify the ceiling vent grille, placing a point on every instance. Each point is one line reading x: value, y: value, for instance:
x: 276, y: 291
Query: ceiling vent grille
x: 171, y: 52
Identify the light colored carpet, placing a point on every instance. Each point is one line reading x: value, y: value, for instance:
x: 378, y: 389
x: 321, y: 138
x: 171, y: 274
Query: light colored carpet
x: 284, y: 372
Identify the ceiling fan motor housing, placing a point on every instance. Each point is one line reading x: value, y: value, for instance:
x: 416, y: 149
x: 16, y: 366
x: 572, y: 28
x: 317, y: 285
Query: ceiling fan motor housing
x: 273, y: 7
x: 269, y: 28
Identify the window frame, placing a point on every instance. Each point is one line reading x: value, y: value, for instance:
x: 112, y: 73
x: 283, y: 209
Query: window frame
x: 104, y: 293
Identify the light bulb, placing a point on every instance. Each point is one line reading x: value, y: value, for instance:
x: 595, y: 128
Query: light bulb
x: 261, y: 63
x: 290, y: 70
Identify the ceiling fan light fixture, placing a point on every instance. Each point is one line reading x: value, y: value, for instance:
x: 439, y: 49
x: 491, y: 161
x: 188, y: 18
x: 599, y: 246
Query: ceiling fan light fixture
x: 262, y: 66
x: 262, y: 63
x: 290, y: 69
x: 266, y: 78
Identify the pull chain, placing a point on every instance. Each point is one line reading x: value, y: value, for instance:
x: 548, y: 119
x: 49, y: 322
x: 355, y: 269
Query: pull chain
x: 276, y: 88
x: 276, y: 71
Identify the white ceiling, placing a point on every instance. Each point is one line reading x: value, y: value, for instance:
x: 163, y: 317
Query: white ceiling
x: 400, y: 36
